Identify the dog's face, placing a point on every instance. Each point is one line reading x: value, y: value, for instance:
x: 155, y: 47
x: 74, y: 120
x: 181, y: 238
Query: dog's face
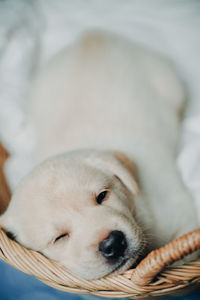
x: 79, y: 209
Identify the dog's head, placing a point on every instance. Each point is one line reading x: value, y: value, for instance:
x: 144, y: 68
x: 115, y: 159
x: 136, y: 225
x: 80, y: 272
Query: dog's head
x: 78, y: 208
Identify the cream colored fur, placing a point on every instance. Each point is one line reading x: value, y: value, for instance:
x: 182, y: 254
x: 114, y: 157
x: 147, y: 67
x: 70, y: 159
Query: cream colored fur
x: 113, y: 108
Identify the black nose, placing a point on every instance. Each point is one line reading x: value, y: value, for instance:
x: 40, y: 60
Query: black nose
x: 114, y: 245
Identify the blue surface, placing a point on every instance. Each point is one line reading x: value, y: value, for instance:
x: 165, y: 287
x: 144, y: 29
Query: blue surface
x: 17, y: 285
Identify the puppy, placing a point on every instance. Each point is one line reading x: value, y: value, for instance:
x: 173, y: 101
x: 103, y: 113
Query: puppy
x: 107, y: 189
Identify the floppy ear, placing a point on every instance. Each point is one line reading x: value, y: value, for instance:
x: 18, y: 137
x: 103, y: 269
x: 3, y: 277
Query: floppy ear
x: 120, y: 165
x: 127, y: 171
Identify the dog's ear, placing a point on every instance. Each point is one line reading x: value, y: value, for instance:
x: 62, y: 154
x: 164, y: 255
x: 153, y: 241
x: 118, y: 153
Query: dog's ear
x: 120, y: 165
x: 127, y: 171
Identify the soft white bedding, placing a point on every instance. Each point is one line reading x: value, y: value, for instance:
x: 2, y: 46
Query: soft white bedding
x: 32, y: 31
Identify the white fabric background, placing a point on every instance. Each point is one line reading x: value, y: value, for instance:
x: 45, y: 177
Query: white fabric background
x: 32, y: 31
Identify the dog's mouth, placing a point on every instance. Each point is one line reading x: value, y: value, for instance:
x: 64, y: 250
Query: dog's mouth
x: 130, y: 260
x: 124, y: 264
x: 124, y: 260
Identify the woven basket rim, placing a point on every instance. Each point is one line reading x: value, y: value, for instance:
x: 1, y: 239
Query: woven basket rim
x: 137, y: 282
x: 152, y: 277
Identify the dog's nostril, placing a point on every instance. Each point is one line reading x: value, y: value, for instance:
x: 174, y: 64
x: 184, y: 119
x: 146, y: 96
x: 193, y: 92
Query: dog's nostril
x: 114, y: 245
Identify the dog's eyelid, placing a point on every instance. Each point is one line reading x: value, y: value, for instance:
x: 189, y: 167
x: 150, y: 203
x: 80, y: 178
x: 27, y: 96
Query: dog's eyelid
x: 104, y: 189
x: 61, y: 236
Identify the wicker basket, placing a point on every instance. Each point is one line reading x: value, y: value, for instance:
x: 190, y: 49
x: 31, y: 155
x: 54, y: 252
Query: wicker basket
x: 152, y: 277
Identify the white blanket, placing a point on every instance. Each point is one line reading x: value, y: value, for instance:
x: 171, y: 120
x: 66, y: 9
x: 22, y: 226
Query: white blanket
x: 31, y: 32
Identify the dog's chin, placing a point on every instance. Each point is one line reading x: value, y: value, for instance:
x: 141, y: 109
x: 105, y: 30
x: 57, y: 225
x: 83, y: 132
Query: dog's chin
x: 129, y: 261
x: 124, y: 265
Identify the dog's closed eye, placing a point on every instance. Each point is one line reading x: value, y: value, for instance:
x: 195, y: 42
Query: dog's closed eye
x: 63, y: 235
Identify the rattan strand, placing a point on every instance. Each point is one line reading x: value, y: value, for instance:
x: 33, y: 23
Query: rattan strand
x: 151, y: 277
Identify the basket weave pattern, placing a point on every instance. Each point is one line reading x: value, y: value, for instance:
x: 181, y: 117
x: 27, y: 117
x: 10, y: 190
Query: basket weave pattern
x: 152, y: 277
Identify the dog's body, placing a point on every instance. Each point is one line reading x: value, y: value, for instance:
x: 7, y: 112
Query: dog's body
x: 124, y: 102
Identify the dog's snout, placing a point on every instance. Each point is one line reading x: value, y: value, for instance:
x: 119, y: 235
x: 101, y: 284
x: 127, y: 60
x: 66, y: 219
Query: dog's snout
x: 114, y: 245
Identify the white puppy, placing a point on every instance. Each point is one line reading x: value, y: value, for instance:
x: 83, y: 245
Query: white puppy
x: 113, y: 107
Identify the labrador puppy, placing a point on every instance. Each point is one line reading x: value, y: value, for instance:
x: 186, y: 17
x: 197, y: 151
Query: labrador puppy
x: 106, y: 188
